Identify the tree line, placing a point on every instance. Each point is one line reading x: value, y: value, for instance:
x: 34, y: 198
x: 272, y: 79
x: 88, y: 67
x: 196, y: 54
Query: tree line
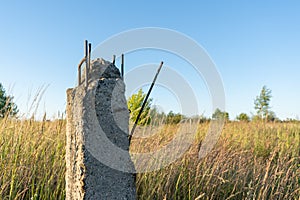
x: 134, y: 102
x: 261, y: 105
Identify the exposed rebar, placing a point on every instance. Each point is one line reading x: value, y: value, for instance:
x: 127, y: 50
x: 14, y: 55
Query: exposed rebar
x: 79, y: 70
x: 86, y: 63
x: 122, y: 67
x: 82, y: 61
x: 114, y: 59
x: 144, y: 103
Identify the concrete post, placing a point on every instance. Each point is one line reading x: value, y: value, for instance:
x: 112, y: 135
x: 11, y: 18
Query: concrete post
x: 99, y: 109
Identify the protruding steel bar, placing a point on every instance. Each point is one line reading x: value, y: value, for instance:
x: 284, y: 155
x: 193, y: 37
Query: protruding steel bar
x: 89, y: 57
x: 114, y: 59
x: 79, y: 70
x: 90, y: 49
x: 122, y: 67
x: 82, y: 61
x: 144, y: 103
x: 86, y: 63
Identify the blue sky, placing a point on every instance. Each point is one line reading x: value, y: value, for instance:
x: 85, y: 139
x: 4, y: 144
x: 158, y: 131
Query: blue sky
x: 252, y: 43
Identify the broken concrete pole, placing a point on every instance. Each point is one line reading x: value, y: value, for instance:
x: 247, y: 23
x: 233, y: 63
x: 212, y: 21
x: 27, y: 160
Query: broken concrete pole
x: 97, y: 148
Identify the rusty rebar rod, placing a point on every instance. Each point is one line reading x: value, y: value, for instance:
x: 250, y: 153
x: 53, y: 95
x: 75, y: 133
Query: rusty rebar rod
x: 122, y: 67
x: 82, y: 61
x: 144, y: 103
x: 79, y: 70
x: 86, y: 63
x: 114, y: 59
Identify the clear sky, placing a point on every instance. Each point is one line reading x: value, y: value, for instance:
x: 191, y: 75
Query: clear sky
x: 253, y: 43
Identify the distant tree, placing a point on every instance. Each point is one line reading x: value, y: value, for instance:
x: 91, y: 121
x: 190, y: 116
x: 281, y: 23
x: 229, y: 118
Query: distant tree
x: 173, y: 118
x: 243, y: 117
x: 291, y: 120
x: 256, y: 118
x: 271, y: 117
x: 203, y: 119
x: 218, y: 114
x: 135, y: 103
x: 157, y: 117
x: 262, y: 103
x: 7, y: 106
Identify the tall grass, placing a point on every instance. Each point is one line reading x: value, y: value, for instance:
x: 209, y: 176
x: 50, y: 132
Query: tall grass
x: 32, y: 157
x: 250, y: 161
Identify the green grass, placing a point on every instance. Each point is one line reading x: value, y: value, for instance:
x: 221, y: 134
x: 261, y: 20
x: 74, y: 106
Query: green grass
x: 250, y: 161
x: 32, y: 158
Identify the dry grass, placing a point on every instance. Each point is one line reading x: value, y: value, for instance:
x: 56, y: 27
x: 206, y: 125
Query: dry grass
x: 250, y: 161
x: 32, y: 161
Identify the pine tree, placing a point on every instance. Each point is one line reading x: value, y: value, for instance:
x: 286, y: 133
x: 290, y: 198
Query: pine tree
x: 7, y: 106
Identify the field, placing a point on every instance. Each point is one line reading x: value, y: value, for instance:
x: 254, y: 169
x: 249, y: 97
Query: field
x: 250, y: 161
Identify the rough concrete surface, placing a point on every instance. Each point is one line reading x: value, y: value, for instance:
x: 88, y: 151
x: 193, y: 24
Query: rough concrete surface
x: 99, y: 109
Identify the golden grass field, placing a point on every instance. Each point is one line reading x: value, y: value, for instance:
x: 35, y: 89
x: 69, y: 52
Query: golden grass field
x: 250, y: 161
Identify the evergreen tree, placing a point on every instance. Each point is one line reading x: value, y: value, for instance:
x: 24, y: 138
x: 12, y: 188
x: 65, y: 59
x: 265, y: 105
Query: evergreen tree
x: 7, y: 106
